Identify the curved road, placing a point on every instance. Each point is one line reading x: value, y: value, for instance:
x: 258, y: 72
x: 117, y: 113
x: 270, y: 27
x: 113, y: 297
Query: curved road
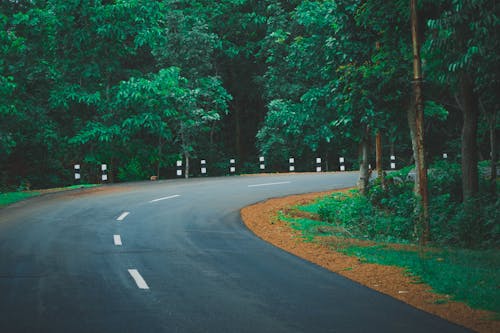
x: 186, y: 263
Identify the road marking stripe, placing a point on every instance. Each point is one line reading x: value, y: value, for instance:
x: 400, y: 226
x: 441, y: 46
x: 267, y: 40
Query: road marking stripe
x: 139, y: 281
x: 122, y: 216
x: 165, y: 198
x: 117, y: 239
x: 269, y: 184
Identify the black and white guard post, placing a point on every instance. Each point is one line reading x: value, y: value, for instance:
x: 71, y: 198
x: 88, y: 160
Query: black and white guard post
x: 179, y: 168
x: 445, y: 156
x: 318, y: 164
x: 262, y: 165
x: 342, y: 163
x: 393, y: 162
x: 78, y: 176
x: 203, y: 167
x: 291, y: 164
x: 232, y: 166
x: 104, y: 169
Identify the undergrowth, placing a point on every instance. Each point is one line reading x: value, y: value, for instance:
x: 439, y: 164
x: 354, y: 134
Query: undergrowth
x: 463, y: 260
x: 9, y: 198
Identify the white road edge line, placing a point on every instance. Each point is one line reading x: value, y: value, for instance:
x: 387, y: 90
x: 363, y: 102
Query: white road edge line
x: 122, y: 216
x: 269, y: 184
x: 117, y: 239
x: 165, y: 198
x: 139, y: 281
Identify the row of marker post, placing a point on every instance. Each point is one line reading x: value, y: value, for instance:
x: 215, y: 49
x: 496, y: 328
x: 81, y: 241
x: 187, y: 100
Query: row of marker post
x: 104, y: 172
x: 232, y: 166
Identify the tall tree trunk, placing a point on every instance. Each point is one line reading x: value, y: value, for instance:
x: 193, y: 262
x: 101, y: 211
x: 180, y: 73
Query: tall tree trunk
x: 159, y: 158
x: 186, y: 167
x: 470, y: 177
x: 237, y: 131
x: 364, y: 175
x: 420, y: 165
x: 378, y: 158
x: 493, y: 147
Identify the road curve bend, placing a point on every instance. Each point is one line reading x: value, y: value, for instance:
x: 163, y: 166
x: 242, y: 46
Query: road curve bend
x: 174, y: 256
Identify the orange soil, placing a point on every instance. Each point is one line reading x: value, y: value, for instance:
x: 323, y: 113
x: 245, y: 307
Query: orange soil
x: 262, y: 219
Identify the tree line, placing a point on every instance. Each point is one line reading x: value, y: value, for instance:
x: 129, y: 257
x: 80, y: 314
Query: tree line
x: 139, y: 84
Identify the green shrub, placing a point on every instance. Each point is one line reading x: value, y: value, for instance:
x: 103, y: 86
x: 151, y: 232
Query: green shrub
x: 133, y: 170
x: 389, y: 213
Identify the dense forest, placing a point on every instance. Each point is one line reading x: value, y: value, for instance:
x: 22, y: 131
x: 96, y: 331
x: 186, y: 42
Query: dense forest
x: 140, y: 84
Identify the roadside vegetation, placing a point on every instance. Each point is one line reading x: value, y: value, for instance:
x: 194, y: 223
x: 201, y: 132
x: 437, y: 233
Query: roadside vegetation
x: 462, y: 258
x: 8, y: 198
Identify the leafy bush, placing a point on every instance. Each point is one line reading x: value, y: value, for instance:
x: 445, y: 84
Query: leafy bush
x: 389, y: 214
x: 133, y: 170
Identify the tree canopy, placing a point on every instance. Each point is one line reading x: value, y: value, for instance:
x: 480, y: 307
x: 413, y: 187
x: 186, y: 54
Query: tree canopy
x: 139, y: 84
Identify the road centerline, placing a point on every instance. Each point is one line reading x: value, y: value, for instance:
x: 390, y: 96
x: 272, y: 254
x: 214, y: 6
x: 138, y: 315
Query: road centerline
x: 122, y: 216
x: 165, y: 198
x: 139, y: 280
x: 269, y: 184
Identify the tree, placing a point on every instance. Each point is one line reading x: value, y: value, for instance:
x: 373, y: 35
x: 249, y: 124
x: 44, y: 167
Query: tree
x: 465, y: 29
x: 420, y: 164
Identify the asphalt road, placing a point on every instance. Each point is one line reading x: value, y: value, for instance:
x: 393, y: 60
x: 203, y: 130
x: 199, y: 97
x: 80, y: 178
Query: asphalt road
x: 186, y: 263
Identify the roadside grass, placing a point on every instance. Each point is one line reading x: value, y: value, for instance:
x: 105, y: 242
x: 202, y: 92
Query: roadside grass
x: 13, y: 197
x: 9, y: 198
x: 471, y: 276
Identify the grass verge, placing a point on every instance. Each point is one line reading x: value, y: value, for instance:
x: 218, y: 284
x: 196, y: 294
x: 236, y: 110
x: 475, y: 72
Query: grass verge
x: 471, y: 276
x: 9, y: 198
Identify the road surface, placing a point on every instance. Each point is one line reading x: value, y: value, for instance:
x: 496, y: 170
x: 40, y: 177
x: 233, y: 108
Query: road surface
x: 174, y: 256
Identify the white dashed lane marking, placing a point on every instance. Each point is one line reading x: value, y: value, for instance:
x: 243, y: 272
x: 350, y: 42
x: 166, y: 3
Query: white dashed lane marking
x: 139, y: 281
x: 117, y: 239
x: 122, y: 216
x: 269, y: 184
x: 165, y: 198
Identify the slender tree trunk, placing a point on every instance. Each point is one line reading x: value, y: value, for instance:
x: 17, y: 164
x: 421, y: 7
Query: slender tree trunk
x: 186, y: 165
x: 412, y: 124
x: 364, y: 175
x: 420, y: 165
x: 378, y: 158
x: 470, y: 176
x: 237, y: 131
x: 159, y: 158
x: 494, y: 157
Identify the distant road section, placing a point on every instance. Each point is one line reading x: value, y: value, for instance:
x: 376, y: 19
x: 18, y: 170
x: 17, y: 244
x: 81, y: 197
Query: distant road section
x: 174, y: 256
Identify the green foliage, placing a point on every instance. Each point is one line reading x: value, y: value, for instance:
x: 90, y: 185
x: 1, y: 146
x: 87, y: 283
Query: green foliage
x: 107, y: 81
x: 465, y: 275
x: 13, y: 197
x: 389, y: 214
x: 133, y: 170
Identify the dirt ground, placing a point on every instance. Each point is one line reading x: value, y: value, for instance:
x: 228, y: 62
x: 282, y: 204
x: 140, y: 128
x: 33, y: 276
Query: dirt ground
x: 262, y: 219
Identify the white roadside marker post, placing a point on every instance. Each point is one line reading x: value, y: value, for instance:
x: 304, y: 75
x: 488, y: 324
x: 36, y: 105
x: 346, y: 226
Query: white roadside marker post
x: 318, y: 164
x: 104, y: 169
x: 291, y: 164
x: 232, y: 166
x: 393, y: 162
x: 262, y: 165
x: 445, y: 156
x: 203, y: 167
x: 179, y: 168
x: 77, y: 174
x: 342, y: 163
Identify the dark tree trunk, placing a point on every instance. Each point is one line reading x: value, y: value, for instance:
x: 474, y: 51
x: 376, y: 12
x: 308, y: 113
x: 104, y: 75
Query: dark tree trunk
x: 378, y: 158
x: 364, y: 174
x: 470, y: 177
x: 420, y: 165
x: 493, y: 147
x: 186, y: 170
x: 237, y: 131
x: 413, y: 135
